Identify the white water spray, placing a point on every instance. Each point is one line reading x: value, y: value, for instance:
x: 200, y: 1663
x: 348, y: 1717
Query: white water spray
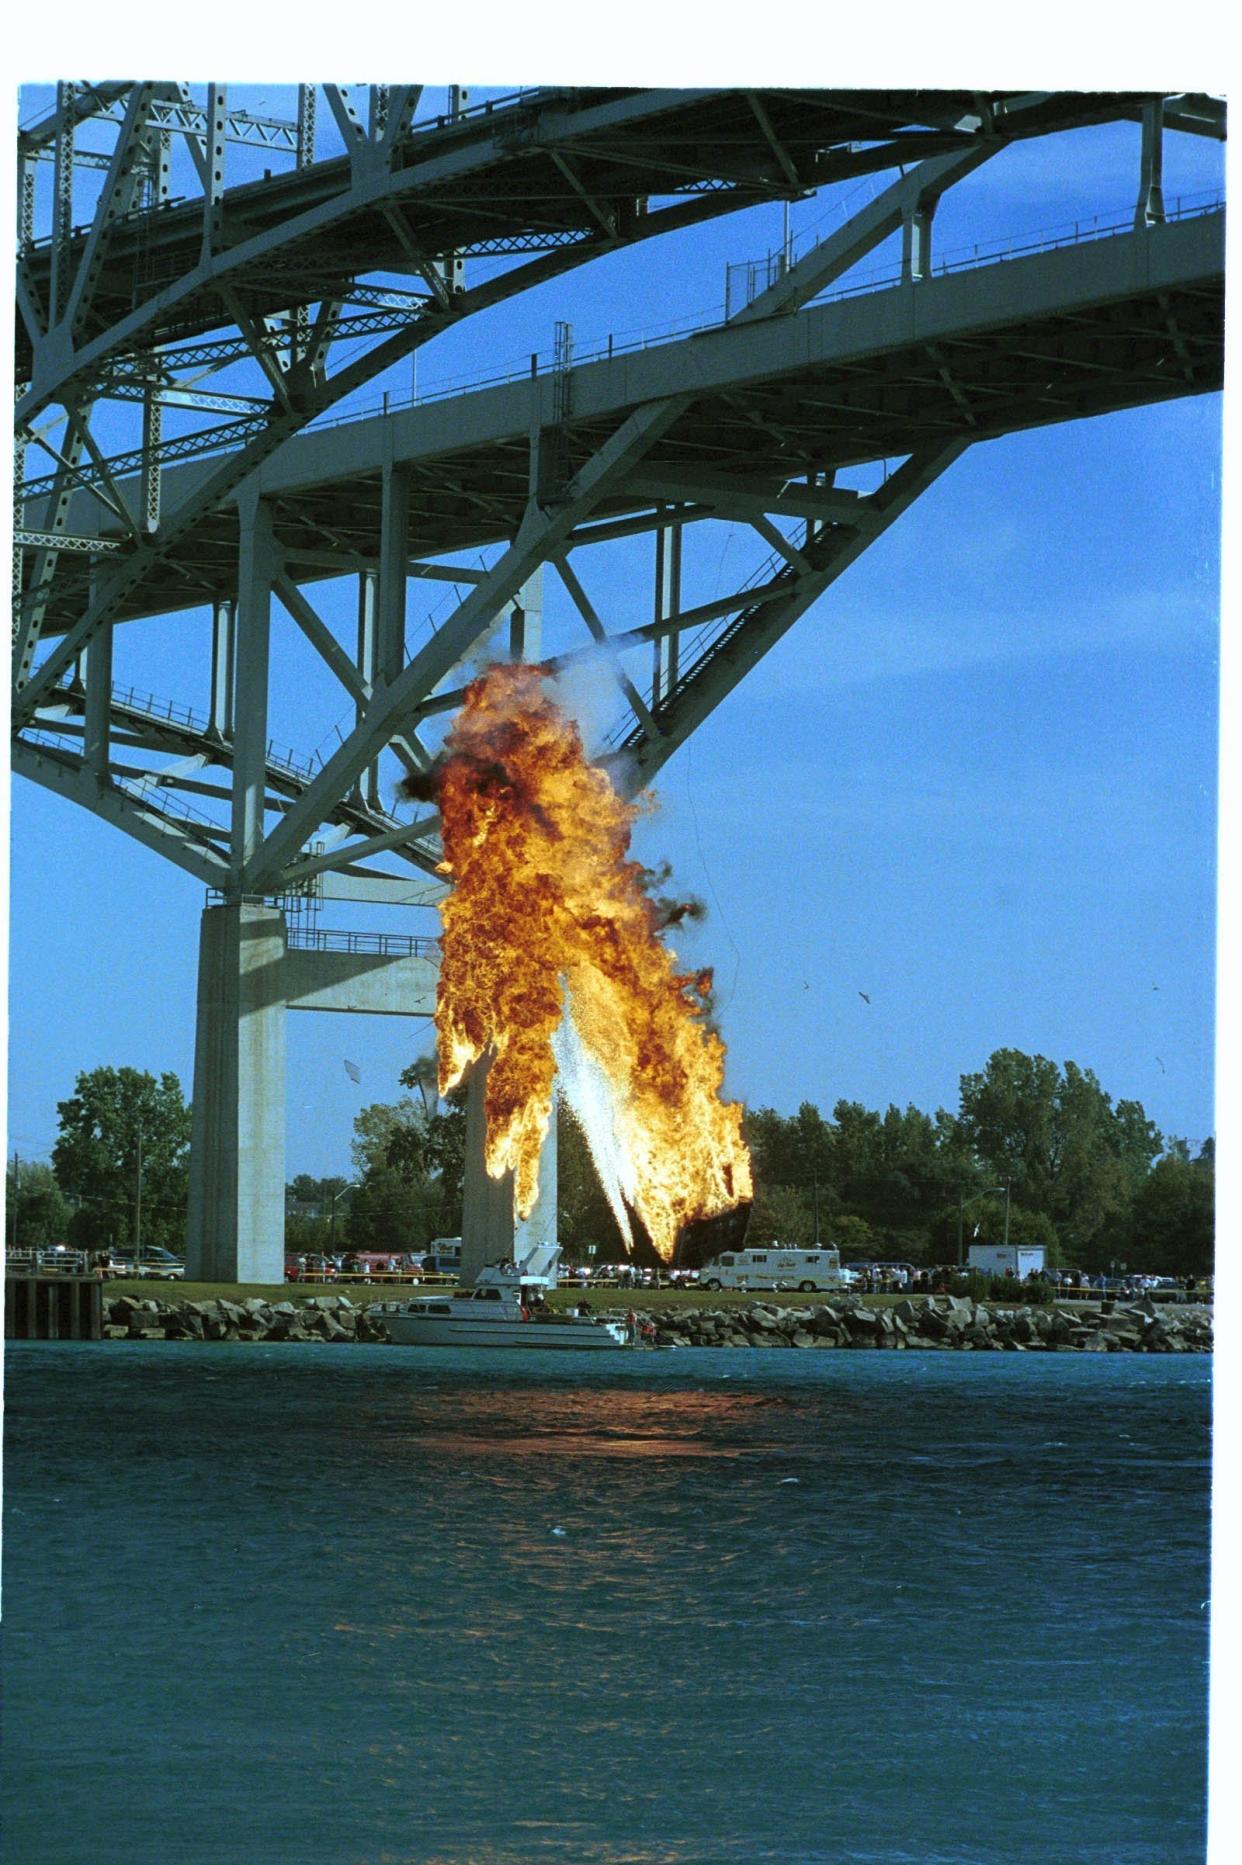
x: 590, y: 1097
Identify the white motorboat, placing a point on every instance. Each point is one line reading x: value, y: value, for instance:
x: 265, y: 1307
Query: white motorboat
x: 501, y: 1310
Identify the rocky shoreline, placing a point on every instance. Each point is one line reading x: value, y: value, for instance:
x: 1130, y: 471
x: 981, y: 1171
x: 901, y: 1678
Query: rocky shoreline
x: 946, y: 1323
x: 926, y: 1323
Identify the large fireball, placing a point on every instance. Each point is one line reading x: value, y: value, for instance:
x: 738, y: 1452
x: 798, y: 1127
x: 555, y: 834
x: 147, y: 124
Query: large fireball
x: 547, y: 914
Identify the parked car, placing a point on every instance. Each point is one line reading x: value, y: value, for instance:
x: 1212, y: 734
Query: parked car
x: 312, y: 1269
x: 152, y: 1264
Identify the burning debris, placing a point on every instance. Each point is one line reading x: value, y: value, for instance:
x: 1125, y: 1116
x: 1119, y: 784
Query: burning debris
x: 668, y: 911
x: 421, y: 786
x: 551, y: 937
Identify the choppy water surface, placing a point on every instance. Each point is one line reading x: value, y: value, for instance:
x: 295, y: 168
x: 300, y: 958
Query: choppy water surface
x: 383, y: 1606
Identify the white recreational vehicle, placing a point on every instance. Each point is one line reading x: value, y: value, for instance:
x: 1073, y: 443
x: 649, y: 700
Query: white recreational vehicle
x: 775, y: 1267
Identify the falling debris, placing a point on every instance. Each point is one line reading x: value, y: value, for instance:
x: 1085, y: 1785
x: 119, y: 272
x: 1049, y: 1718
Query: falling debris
x: 353, y: 1071
x: 549, y: 920
x: 865, y: 998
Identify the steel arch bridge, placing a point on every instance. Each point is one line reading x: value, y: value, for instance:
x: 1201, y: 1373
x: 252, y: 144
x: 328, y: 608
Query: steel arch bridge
x: 178, y: 368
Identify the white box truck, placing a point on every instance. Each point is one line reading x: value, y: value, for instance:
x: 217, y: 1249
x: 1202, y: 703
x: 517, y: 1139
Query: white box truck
x: 1000, y: 1259
x: 774, y: 1267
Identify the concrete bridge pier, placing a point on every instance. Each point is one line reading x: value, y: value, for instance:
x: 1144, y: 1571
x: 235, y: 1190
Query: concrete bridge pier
x: 237, y: 1145
x: 490, y: 1232
x: 247, y: 978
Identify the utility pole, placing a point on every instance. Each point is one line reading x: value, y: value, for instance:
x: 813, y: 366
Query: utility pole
x: 815, y: 1194
x: 16, y: 1187
x: 138, y: 1205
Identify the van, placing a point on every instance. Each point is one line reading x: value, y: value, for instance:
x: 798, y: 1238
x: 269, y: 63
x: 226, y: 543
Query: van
x: 775, y: 1268
x: 443, y: 1257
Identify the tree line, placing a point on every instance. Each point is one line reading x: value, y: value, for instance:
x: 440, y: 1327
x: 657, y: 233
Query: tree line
x: 1033, y: 1144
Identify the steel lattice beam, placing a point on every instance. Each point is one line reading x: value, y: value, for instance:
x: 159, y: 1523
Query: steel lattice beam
x: 748, y: 422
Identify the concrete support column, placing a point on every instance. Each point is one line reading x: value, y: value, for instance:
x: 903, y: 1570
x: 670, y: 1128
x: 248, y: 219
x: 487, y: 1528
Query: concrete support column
x: 489, y: 1231
x: 223, y: 638
x: 394, y: 554
x: 256, y: 574
x: 236, y: 1229
x: 916, y: 234
x: 667, y: 604
x: 1150, y: 209
x: 526, y: 620
x: 96, y: 737
x: 368, y: 608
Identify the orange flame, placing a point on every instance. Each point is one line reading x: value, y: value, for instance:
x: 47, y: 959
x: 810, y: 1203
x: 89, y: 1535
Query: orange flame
x: 546, y: 907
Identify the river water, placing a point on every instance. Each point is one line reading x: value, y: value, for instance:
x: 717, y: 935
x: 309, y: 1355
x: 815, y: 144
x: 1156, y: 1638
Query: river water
x: 385, y: 1606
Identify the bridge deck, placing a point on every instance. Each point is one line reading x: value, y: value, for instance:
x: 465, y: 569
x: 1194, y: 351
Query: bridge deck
x: 1087, y: 329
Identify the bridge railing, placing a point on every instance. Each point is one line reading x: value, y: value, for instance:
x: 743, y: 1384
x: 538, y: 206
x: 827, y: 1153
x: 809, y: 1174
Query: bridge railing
x: 978, y: 253
x: 280, y: 757
x: 390, y: 401
x: 370, y: 944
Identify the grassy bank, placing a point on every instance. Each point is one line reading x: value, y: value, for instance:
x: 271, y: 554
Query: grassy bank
x: 561, y: 1300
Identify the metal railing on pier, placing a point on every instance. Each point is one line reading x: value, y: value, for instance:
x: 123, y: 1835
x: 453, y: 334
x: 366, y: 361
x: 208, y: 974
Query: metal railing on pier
x: 378, y: 945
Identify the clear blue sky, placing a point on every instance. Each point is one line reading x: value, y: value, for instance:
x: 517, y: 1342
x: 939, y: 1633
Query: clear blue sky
x: 977, y: 781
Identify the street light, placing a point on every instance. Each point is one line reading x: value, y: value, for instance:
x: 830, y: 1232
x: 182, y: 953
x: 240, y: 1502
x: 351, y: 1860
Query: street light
x: 345, y: 1188
x: 987, y: 1192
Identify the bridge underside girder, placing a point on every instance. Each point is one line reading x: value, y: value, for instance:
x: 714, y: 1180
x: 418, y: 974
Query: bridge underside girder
x: 745, y: 424
x: 1086, y: 330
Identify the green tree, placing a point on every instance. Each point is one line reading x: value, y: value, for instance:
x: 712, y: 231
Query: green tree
x: 35, y: 1213
x: 781, y: 1214
x: 311, y: 1206
x: 1065, y: 1150
x: 434, y: 1145
x: 1172, y: 1217
x: 377, y: 1127
x: 314, y: 1195
x: 410, y: 1157
x: 583, y: 1215
x: 895, y: 1169
x: 790, y: 1149
x: 305, y: 1234
x: 985, y: 1221
x: 852, y: 1236
x: 123, y: 1154
x: 388, y: 1212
